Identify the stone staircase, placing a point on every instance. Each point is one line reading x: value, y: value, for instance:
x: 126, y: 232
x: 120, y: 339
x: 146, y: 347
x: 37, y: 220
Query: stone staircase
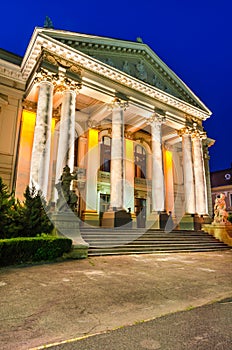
x: 139, y: 241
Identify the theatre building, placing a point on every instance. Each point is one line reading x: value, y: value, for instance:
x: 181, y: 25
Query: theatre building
x: 117, y: 115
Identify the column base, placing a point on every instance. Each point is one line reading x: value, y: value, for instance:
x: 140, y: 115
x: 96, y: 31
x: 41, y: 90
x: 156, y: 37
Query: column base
x: 67, y: 224
x: 117, y: 218
x: 90, y: 217
x: 133, y: 222
x: 191, y: 222
x: 160, y: 220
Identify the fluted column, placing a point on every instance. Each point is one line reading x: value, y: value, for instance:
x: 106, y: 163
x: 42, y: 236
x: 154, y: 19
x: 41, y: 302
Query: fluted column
x: 65, y: 153
x: 199, y: 173
x: 158, y: 203
x: 189, y: 188
x: 117, y: 156
x: 39, y: 173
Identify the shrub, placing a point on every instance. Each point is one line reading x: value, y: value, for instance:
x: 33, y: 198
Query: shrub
x: 8, y: 209
x: 34, y: 213
x: 32, y: 249
x: 28, y: 219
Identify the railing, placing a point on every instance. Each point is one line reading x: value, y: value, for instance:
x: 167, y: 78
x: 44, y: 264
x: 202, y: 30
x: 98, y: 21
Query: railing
x: 103, y: 176
x: 142, y: 182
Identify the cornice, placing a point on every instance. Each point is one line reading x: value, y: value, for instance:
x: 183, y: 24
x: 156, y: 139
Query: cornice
x: 11, y: 71
x: 86, y: 62
x: 94, y: 43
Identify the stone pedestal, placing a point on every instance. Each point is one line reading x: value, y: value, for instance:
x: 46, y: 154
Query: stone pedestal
x: 90, y: 217
x: 118, y: 218
x: 153, y: 221
x: 67, y: 224
x: 223, y: 232
x: 191, y: 222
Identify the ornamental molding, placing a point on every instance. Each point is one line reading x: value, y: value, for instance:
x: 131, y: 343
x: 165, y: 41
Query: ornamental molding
x: 85, y: 62
x: 156, y: 119
x: 118, y: 54
x: 60, y: 62
x: 29, y: 105
x: 118, y: 103
x: 4, y: 101
x: 59, y: 80
x: 12, y: 74
x: 192, y: 131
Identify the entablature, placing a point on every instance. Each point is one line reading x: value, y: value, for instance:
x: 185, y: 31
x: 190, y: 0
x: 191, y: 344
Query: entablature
x: 89, y: 66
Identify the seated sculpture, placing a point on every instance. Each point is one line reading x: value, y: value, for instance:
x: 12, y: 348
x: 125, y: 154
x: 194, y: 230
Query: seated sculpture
x: 220, y: 213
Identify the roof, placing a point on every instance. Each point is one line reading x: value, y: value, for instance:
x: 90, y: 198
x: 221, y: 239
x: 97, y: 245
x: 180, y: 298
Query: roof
x: 144, y: 64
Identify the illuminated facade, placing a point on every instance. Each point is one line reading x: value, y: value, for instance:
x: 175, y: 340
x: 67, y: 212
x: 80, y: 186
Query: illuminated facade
x: 112, y: 110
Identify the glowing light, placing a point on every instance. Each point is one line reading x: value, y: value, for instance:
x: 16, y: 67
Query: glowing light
x: 169, y: 180
x: 25, y: 149
x: 93, y: 138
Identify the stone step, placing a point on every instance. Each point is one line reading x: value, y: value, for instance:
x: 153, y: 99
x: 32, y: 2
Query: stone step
x: 140, y: 241
x: 153, y: 251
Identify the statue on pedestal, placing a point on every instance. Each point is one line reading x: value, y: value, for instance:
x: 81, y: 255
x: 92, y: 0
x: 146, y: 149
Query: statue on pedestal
x: 65, y: 220
x: 220, y: 213
x: 66, y: 197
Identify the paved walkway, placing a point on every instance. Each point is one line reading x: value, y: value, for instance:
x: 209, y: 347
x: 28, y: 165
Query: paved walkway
x: 206, y: 327
x: 51, y: 303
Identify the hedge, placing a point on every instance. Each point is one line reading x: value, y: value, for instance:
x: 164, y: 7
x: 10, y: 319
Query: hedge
x: 32, y: 249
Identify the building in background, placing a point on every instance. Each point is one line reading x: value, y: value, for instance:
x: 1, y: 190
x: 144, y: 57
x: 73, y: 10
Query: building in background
x: 221, y: 182
x: 114, y: 111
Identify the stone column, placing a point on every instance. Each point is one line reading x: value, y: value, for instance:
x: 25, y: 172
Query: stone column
x: 158, y: 204
x: 65, y: 153
x: 39, y: 173
x: 90, y: 215
x: 117, y: 215
x: 199, y: 173
x: 189, y: 188
x: 117, y: 159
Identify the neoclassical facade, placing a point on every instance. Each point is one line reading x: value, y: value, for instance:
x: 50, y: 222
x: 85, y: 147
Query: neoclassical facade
x: 114, y: 113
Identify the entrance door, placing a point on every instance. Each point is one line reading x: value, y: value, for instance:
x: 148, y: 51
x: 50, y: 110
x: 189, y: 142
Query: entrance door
x: 140, y: 212
x: 104, y: 205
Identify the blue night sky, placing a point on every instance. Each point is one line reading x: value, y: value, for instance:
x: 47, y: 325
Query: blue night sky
x: 192, y: 37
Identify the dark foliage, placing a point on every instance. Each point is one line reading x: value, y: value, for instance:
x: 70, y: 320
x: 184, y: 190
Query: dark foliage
x: 32, y: 249
x: 35, y: 214
x: 28, y: 219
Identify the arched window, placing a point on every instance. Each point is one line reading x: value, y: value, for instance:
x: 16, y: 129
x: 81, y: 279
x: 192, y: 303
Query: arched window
x: 140, y: 161
x: 105, y: 154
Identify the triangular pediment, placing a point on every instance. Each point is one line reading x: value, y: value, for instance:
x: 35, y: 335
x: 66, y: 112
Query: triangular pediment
x: 133, y: 58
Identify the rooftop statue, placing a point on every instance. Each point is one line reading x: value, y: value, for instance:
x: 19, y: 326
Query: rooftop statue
x: 48, y: 23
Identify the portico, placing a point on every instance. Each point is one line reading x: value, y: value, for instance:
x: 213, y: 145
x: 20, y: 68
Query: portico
x: 123, y: 119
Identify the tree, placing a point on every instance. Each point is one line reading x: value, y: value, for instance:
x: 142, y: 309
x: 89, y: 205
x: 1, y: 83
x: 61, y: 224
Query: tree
x: 36, y: 220
x: 11, y: 215
x: 27, y: 219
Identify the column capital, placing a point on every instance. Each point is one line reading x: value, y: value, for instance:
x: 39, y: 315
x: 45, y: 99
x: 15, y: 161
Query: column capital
x: 184, y: 131
x: 92, y: 123
x: 58, y: 80
x: 29, y: 105
x: 62, y: 83
x: 192, y: 131
x: 119, y: 103
x: 43, y: 75
x: 198, y: 133
x: 156, y: 120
